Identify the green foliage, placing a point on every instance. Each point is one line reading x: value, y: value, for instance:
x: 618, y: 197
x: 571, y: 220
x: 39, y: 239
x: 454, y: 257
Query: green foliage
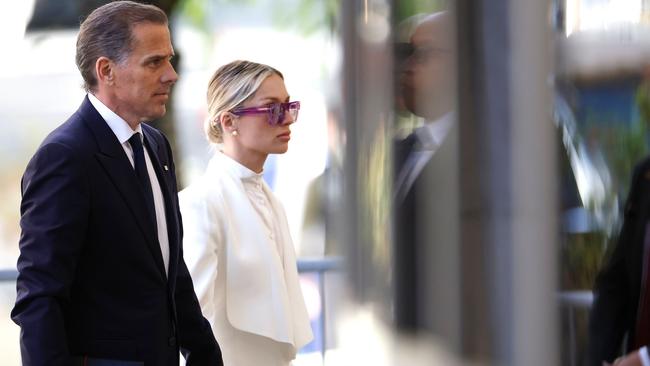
x: 643, y: 102
x: 405, y: 9
x: 308, y: 16
x: 195, y: 11
x: 631, y: 149
x: 623, y: 145
x: 581, y: 256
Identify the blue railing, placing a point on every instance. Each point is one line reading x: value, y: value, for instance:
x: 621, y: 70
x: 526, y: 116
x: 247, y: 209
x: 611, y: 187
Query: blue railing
x: 309, y: 265
x: 8, y: 275
x: 320, y: 266
x: 304, y: 266
x: 574, y: 301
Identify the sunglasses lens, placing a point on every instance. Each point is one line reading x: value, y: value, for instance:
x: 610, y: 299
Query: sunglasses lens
x: 293, y: 112
x: 294, y: 107
x: 275, y: 114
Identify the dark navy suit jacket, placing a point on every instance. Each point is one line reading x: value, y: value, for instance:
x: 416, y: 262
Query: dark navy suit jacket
x: 618, y: 285
x: 91, y: 277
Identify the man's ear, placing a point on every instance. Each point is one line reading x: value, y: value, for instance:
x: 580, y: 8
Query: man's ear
x: 104, y: 69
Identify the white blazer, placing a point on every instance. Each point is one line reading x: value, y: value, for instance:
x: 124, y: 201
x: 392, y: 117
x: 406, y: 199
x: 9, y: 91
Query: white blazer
x: 249, y: 293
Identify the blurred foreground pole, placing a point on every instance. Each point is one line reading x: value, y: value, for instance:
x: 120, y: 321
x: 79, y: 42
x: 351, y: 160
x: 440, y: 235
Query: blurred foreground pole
x: 486, y: 279
x: 508, y: 183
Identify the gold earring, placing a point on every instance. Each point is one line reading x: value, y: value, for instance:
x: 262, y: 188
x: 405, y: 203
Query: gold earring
x: 235, y: 133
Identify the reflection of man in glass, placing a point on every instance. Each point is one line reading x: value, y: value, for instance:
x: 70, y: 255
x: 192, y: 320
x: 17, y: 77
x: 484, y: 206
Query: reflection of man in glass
x: 427, y: 89
x: 427, y: 83
x: 423, y: 183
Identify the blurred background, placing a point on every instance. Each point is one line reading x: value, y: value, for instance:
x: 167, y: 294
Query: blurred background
x: 549, y: 104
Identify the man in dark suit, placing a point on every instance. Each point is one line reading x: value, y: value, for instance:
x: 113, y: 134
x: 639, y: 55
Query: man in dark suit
x: 101, y: 273
x: 426, y: 184
x: 621, y: 308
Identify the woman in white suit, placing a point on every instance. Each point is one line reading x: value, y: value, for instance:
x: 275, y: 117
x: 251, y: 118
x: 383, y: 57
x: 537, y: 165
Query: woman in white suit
x: 236, y: 238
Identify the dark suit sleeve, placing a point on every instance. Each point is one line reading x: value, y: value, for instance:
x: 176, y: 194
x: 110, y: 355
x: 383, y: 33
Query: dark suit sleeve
x: 196, y: 339
x: 54, y: 214
x: 608, y: 320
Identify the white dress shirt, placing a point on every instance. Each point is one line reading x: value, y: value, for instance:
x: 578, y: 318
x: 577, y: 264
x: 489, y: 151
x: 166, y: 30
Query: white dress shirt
x: 643, y: 354
x: 238, y: 249
x: 123, y: 132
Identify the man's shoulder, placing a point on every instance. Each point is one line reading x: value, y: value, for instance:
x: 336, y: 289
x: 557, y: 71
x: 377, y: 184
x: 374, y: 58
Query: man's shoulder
x: 641, y: 172
x: 71, y: 133
x: 153, y: 132
x: 643, y: 165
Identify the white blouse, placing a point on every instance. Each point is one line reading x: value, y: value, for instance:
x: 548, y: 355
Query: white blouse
x: 261, y: 202
x: 239, y: 251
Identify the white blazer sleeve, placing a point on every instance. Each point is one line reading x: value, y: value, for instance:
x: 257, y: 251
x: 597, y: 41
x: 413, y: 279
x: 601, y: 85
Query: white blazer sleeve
x: 200, y: 239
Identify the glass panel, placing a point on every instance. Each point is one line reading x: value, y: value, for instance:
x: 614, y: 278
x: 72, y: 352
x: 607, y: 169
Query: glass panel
x: 425, y: 175
x: 399, y: 80
x: 601, y: 110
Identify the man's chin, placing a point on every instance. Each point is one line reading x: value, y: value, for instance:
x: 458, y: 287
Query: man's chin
x: 159, y: 113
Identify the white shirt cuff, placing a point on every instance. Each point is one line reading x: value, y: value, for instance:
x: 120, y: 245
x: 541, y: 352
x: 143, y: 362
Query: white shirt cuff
x: 643, y: 354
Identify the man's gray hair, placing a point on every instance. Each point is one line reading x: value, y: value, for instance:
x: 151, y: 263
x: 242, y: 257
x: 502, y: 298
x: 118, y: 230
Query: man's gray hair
x: 108, y: 32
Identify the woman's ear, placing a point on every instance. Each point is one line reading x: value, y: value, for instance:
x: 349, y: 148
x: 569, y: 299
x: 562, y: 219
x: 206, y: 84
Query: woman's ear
x: 227, y: 121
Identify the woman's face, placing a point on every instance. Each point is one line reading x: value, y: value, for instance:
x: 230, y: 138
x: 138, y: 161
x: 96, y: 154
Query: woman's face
x: 255, y: 136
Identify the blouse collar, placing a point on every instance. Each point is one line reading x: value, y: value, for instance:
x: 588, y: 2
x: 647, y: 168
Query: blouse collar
x: 237, y: 169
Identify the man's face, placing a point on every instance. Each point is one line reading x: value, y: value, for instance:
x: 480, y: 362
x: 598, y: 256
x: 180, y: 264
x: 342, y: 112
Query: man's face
x: 143, y: 81
x: 428, y: 79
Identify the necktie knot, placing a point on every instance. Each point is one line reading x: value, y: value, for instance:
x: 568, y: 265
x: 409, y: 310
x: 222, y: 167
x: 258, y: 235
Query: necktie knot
x: 136, y: 143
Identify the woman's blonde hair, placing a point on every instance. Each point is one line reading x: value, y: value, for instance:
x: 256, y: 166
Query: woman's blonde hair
x: 230, y: 86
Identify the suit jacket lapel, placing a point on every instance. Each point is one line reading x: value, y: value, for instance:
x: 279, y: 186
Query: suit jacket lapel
x: 161, y: 167
x: 116, y: 164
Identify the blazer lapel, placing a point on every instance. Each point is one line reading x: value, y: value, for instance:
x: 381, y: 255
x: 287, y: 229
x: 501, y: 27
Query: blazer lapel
x: 161, y: 167
x: 116, y: 164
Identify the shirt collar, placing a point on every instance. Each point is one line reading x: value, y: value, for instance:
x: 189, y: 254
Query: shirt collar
x: 239, y: 170
x: 432, y: 133
x: 117, y: 124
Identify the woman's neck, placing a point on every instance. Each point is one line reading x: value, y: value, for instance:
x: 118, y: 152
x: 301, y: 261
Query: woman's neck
x: 251, y: 160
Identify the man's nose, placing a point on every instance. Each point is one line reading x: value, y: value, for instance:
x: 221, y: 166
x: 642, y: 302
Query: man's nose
x: 170, y: 75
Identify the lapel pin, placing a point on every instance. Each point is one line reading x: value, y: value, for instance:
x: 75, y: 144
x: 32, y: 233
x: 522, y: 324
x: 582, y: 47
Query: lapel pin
x: 166, y: 167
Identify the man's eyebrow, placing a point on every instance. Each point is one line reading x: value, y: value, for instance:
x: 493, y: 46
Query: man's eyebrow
x: 158, y: 57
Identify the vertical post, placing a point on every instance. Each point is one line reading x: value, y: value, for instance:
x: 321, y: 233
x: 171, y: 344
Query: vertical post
x: 534, y: 181
x: 508, y: 183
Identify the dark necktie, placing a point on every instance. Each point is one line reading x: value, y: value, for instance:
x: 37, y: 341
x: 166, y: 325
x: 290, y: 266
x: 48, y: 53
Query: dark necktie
x: 402, y: 165
x: 402, y: 151
x: 406, y: 276
x: 143, y: 177
x: 642, y: 336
